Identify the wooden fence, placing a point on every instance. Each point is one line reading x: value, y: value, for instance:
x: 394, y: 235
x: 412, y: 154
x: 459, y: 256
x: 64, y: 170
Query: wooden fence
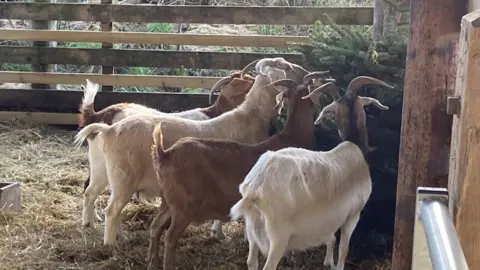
x: 48, y: 101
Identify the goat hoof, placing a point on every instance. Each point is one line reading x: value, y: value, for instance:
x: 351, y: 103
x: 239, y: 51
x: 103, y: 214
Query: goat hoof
x: 98, y: 218
x: 154, y: 262
x: 329, y: 266
x: 218, y: 235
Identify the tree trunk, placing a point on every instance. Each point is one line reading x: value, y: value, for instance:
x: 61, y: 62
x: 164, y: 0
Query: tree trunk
x: 426, y: 128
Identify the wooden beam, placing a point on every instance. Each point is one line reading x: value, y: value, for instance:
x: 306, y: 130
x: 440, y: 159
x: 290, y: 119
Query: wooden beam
x: 39, y: 67
x: 68, y: 101
x: 40, y: 117
x: 140, y: 58
x: 185, y: 14
x: 154, y: 38
x: 473, y: 5
x: 426, y: 126
x: 116, y: 80
x: 107, y: 27
x: 464, y: 186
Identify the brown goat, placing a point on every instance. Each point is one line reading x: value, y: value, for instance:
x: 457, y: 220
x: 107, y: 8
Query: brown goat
x: 200, y: 177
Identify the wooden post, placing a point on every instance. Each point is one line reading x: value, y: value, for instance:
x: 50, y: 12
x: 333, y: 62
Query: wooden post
x: 377, y: 28
x: 464, y: 182
x: 107, y: 27
x: 426, y: 127
x: 51, y: 25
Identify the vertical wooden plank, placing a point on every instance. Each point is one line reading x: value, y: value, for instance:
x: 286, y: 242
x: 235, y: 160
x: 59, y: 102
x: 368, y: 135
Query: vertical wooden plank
x: 51, y: 25
x: 473, y: 5
x: 107, y: 27
x: 426, y: 127
x: 464, y: 185
x: 378, y: 15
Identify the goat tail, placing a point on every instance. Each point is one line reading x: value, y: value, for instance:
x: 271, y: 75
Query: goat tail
x: 242, y: 208
x: 83, y: 134
x: 87, y: 112
x: 158, y: 151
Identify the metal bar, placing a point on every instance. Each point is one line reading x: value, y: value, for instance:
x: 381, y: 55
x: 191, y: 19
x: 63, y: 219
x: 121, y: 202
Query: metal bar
x: 443, y: 244
x: 438, y: 231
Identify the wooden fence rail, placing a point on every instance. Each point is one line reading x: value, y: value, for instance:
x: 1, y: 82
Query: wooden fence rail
x: 139, y: 58
x: 115, y: 80
x: 68, y: 101
x: 185, y: 14
x: 154, y: 38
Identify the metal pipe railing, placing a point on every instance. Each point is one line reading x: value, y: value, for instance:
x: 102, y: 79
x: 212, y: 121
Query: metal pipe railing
x: 435, y: 233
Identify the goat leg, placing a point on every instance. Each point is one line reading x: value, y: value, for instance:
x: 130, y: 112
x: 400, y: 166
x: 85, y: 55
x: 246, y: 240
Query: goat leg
x: 216, y: 230
x: 346, y: 233
x: 161, y: 221
x: 328, y: 262
x: 177, y: 226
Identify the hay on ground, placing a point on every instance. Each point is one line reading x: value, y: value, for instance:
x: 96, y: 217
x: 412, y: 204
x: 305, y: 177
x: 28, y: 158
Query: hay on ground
x: 47, y: 234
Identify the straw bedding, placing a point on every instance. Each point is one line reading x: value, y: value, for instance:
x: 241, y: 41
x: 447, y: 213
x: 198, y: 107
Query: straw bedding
x: 47, y: 234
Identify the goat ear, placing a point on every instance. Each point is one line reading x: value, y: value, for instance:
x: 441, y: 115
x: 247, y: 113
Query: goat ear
x: 237, y: 86
x: 327, y: 109
x: 375, y: 102
x: 280, y: 102
x: 273, y: 73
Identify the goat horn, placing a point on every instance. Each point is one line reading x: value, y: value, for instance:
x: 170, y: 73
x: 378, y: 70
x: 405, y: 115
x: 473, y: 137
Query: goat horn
x: 284, y: 82
x: 313, y: 75
x: 330, y: 87
x: 217, y: 86
x: 249, y: 67
x: 355, y: 85
x: 299, y: 69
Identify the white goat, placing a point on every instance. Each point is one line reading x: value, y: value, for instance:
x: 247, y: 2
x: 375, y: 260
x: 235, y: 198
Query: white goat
x: 230, y: 97
x: 321, y: 191
x: 127, y: 143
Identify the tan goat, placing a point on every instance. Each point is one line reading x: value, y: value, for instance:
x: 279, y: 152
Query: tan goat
x: 230, y: 97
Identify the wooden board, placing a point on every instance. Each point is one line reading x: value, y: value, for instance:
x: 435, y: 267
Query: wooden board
x: 464, y: 186
x: 68, y: 101
x: 426, y: 127
x: 185, y: 14
x: 140, y: 58
x: 153, y: 38
x: 40, y: 117
x: 116, y: 80
x: 106, y: 26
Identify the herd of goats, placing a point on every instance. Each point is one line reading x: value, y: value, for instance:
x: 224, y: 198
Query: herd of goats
x: 220, y: 163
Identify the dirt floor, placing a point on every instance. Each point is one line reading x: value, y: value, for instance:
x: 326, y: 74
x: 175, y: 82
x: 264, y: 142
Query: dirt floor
x: 47, y: 234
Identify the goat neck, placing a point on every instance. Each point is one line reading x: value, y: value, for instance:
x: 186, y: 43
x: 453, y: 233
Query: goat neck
x: 350, y: 116
x: 298, y: 128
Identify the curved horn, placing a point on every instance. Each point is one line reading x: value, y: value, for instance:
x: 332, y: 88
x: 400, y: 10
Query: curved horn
x: 249, y: 67
x: 314, y: 75
x: 284, y: 82
x: 299, y: 69
x: 281, y: 63
x: 355, y: 85
x: 330, y: 87
x: 217, y: 86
